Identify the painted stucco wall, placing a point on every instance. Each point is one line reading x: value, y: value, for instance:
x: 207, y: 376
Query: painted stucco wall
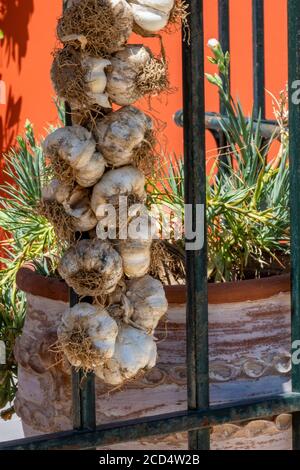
x: 25, y: 59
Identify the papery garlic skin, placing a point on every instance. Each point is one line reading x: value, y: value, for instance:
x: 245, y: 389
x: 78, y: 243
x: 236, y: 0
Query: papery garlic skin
x: 134, y: 351
x: 135, y: 251
x: 73, y: 144
x: 100, y: 328
x: 91, y: 173
x: 78, y: 206
x: 122, y: 181
x: 96, y: 80
x: 120, y: 133
x: 151, y: 15
x: 160, y: 5
x: 56, y: 191
x: 96, y: 76
x: 148, y: 19
x: 92, y: 256
x: 149, y: 302
x: 136, y: 257
x: 121, y: 78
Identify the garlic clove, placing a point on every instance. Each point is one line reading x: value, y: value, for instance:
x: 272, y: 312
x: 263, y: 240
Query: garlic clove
x: 85, y: 223
x: 96, y: 73
x: 78, y: 206
x: 148, y: 19
x: 148, y: 300
x: 121, y: 87
x: 121, y: 77
x: 72, y: 144
x: 132, y: 56
x: 102, y: 99
x: 134, y: 351
x: 91, y: 173
x: 122, y: 181
x: 136, y: 257
x: 120, y: 133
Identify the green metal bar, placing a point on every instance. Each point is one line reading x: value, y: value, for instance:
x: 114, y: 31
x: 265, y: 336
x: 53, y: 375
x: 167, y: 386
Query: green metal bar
x: 258, y: 58
x: 224, y: 38
x: 195, y: 194
x: 294, y: 126
x: 161, y: 425
x: 83, y: 386
x: 224, y: 33
x: 268, y: 128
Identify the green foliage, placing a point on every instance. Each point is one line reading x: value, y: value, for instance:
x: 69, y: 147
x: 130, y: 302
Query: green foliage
x: 29, y: 238
x: 247, y: 194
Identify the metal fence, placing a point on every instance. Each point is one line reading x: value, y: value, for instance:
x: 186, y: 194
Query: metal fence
x: 199, y: 416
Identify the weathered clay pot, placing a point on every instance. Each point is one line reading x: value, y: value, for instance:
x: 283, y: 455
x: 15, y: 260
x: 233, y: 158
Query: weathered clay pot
x: 249, y: 340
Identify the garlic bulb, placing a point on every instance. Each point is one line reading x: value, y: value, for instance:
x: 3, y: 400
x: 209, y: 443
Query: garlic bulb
x: 134, y: 351
x: 121, y: 79
x: 80, y: 79
x: 122, y: 181
x: 96, y: 80
x: 87, y: 335
x: 74, y: 201
x: 148, y: 299
x: 120, y: 133
x: 134, y: 73
x: 75, y: 146
x: 92, y: 267
x: 99, y: 26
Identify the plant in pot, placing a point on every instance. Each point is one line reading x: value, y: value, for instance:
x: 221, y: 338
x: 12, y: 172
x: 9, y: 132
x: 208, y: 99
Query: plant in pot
x: 248, y: 239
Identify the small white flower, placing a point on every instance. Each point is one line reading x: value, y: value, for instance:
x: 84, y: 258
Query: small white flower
x: 213, y: 44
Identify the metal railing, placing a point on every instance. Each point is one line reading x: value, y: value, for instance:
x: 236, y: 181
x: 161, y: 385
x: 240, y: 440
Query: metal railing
x: 199, y: 416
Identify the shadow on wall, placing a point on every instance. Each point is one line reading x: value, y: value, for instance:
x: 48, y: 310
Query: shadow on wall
x: 14, y: 19
x: 9, y: 122
x: 14, y: 22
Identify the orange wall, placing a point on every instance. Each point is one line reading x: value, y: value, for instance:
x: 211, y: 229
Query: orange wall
x: 25, y: 59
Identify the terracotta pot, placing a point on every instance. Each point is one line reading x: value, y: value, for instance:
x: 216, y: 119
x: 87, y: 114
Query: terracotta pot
x: 249, y: 340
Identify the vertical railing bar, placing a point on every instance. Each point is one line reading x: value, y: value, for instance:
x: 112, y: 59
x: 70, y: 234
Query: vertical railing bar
x: 83, y: 390
x: 224, y: 39
x: 258, y: 26
x: 294, y: 137
x: 83, y: 385
x: 195, y: 194
x: 224, y: 33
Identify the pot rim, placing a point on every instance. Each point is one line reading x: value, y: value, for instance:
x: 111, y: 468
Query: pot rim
x: 31, y: 282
